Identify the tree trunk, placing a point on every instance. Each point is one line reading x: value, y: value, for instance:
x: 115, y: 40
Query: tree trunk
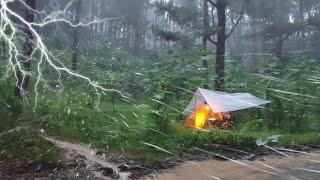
x: 138, y: 23
x: 75, y: 47
x: 301, y: 21
x: 278, y: 48
x: 221, y: 43
x: 145, y: 24
x: 238, y: 37
x: 109, y: 28
x: 155, y: 41
x: 138, y: 37
x: 205, y: 23
x: 24, y: 79
x: 205, y: 67
x: 128, y: 34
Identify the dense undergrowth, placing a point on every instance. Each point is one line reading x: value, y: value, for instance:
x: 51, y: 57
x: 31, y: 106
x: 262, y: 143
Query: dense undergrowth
x: 148, y: 127
x: 22, y: 149
x: 130, y: 131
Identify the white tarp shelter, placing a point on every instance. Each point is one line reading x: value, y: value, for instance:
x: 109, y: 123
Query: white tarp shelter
x: 223, y: 102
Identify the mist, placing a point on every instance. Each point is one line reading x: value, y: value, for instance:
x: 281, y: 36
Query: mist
x: 159, y: 89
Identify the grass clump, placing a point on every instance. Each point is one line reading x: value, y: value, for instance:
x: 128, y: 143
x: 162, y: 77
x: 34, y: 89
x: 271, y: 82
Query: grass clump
x: 22, y: 148
x: 298, y: 140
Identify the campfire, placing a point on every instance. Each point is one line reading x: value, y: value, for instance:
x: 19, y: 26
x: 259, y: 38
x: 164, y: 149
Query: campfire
x: 213, y: 109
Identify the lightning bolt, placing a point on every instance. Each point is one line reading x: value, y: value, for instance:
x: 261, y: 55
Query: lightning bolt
x: 45, y: 57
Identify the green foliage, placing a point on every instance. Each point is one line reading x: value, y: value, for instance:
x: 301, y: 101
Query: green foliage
x: 11, y: 107
x: 185, y: 15
x: 23, y: 147
x: 253, y: 126
x: 209, y: 31
x: 292, y: 89
x: 166, y: 35
x: 298, y: 140
x: 51, y: 123
x: 167, y: 80
x: 182, y: 15
x: 161, y: 89
x: 314, y: 42
x: 161, y: 121
x: 239, y: 140
x: 8, y: 30
x: 115, y: 68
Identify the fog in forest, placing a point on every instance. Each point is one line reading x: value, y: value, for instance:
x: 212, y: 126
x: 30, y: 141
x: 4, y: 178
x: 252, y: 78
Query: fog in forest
x: 159, y: 89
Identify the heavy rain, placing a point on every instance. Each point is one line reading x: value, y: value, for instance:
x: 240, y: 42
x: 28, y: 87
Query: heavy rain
x: 160, y: 89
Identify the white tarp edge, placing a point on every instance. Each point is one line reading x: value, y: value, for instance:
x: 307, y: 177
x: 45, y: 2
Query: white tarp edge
x: 223, y: 102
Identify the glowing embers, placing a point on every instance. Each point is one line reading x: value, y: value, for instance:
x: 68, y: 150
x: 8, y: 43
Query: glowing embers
x: 200, y: 120
x: 201, y: 115
x: 204, y: 118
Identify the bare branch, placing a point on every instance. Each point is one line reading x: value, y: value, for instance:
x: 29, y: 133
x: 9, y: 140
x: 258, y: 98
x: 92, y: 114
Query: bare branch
x: 212, y: 3
x: 238, y: 21
x: 212, y: 41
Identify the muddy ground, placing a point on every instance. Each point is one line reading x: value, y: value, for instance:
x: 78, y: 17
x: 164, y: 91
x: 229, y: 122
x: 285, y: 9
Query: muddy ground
x: 85, y: 162
x: 293, y: 167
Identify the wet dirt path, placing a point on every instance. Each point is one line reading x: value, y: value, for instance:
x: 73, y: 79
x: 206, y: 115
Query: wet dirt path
x: 294, y: 167
x: 302, y: 167
x: 89, y: 155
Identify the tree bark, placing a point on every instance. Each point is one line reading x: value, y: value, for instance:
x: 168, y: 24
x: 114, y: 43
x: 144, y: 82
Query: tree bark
x: 109, y: 29
x: 23, y: 80
x: 301, y: 21
x: 75, y: 46
x: 221, y: 43
x: 138, y: 37
x: 205, y: 23
x: 278, y: 47
x: 138, y: 25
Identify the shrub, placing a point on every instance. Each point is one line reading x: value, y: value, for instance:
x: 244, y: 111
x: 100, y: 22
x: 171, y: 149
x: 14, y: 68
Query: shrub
x: 253, y: 126
x: 23, y: 147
